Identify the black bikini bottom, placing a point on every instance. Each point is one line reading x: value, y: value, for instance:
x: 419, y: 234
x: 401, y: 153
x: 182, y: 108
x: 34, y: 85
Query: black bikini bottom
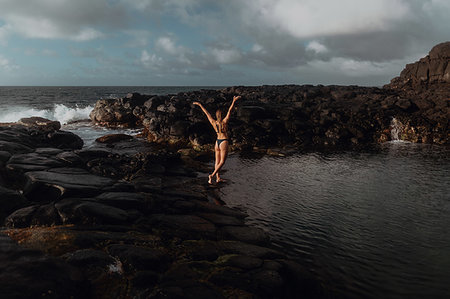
x: 219, y: 141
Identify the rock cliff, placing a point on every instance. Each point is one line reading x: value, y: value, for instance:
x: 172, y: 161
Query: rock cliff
x: 432, y: 70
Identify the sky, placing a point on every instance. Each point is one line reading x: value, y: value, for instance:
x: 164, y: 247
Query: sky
x: 215, y: 43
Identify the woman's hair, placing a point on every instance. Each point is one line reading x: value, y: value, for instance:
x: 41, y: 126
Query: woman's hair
x: 219, y: 115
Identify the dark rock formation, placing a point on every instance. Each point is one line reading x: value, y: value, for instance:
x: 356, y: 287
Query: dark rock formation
x: 300, y: 116
x: 434, y: 69
x: 125, y: 219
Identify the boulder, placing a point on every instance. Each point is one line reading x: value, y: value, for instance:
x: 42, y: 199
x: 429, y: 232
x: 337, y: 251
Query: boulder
x: 40, y: 123
x: 112, y: 138
x: 65, y: 140
x: 10, y: 200
x: 53, y: 185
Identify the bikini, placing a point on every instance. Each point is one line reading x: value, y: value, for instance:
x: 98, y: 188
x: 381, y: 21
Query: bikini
x: 219, y: 130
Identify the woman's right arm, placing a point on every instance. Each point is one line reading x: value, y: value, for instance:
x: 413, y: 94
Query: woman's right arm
x: 211, y: 120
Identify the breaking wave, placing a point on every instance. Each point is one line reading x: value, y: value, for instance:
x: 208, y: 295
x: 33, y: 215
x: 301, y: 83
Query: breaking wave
x: 59, y: 112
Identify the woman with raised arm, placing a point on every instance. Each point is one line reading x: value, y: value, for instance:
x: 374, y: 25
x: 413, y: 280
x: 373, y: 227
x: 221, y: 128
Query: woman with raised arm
x: 220, y: 125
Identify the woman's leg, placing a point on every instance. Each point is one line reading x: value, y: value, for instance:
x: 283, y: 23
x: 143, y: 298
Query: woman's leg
x: 217, y: 154
x: 223, y: 156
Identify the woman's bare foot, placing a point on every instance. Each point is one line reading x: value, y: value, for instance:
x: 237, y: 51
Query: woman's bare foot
x: 219, y: 180
x: 210, y: 179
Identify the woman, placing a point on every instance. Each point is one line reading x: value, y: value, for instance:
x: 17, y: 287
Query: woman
x: 220, y: 125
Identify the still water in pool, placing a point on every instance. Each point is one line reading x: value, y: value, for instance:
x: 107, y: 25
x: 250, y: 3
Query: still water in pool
x: 372, y: 224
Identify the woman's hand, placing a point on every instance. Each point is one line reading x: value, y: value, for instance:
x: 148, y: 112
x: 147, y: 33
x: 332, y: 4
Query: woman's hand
x: 235, y: 98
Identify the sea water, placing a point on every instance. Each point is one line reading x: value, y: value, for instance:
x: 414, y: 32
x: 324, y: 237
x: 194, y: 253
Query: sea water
x: 367, y: 224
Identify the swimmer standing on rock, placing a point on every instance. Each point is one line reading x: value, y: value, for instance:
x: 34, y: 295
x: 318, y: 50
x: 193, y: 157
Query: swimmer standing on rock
x: 220, y: 125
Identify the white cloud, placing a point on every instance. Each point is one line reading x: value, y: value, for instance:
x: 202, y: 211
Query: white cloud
x: 150, y: 60
x: 6, y: 64
x: 316, y: 47
x: 167, y: 44
x: 360, y: 68
x: 226, y: 56
x: 313, y: 18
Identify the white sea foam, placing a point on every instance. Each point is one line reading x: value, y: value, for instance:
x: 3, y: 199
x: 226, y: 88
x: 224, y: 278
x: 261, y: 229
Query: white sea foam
x: 59, y: 112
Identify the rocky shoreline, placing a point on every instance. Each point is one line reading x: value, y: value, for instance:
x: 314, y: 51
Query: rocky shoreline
x: 125, y: 219
x: 299, y: 116
x: 128, y: 218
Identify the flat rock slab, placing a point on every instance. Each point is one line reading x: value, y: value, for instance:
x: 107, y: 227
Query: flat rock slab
x: 123, y: 200
x: 85, y: 211
x: 32, y: 162
x: 190, y: 223
x: 53, y: 185
x: 14, y: 147
x: 26, y: 273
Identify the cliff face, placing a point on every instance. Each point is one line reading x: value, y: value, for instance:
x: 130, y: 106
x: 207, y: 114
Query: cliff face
x: 434, y: 69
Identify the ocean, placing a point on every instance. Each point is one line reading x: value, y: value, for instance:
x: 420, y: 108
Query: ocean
x: 367, y: 224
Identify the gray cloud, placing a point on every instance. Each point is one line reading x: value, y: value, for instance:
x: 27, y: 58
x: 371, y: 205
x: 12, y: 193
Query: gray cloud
x: 65, y: 19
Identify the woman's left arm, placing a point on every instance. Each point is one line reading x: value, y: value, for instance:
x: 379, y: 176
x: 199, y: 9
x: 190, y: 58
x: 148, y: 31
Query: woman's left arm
x: 227, y: 118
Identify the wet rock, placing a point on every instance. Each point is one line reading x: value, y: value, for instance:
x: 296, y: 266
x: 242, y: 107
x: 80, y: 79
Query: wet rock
x: 123, y: 200
x: 44, y: 215
x: 70, y: 158
x: 10, y: 200
x: 4, y: 156
x: 248, y: 249
x: 32, y: 162
x: 65, y: 140
x: 21, y: 217
x: 184, y: 223
x: 52, y: 185
x: 85, y: 211
x: 14, y: 147
x: 89, y: 257
x: 40, y: 123
x: 28, y: 273
x: 140, y: 258
x: 113, y: 138
x: 222, y: 220
x: 244, y: 262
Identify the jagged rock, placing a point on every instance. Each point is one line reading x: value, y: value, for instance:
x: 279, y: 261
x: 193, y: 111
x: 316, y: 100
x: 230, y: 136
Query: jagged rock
x: 432, y: 69
x: 112, y: 138
x: 40, y: 123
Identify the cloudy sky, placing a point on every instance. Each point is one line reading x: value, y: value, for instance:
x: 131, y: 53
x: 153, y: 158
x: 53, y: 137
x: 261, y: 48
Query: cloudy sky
x: 213, y: 42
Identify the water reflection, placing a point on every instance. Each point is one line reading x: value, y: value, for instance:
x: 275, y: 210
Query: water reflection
x: 369, y: 224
